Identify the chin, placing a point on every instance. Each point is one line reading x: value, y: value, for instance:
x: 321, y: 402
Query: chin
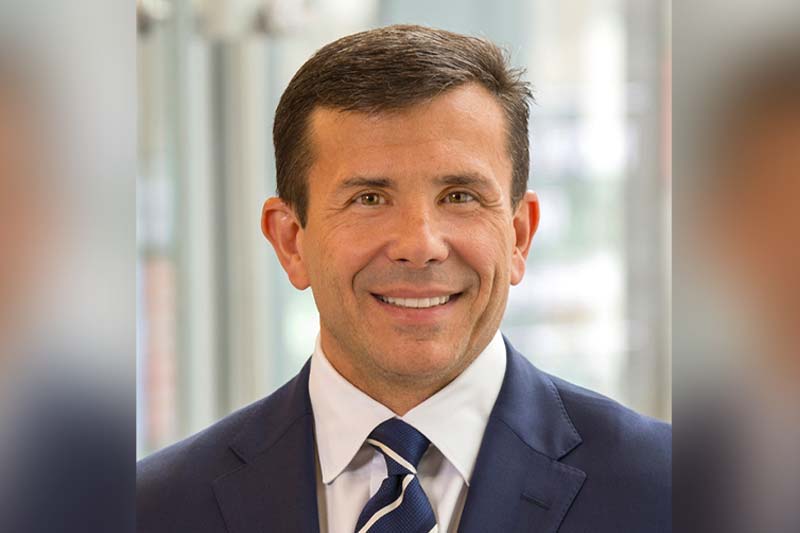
x: 421, y: 361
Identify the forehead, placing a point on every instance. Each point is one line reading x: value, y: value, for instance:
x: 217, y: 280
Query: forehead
x: 461, y: 130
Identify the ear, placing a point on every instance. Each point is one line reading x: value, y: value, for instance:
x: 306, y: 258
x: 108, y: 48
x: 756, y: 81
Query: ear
x: 280, y: 226
x: 525, y: 221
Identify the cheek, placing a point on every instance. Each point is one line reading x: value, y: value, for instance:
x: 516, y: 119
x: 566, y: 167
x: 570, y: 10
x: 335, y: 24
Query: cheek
x: 343, y: 252
x: 488, y: 254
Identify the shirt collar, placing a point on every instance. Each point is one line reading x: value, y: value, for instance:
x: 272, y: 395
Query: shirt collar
x: 343, y: 415
x: 453, y: 419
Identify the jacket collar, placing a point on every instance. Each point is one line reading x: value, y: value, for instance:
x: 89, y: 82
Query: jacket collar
x: 275, y: 487
x: 531, y: 406
x: 527, y: 433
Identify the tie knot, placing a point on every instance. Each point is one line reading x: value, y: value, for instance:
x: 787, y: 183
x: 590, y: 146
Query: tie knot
x: 401, y: 444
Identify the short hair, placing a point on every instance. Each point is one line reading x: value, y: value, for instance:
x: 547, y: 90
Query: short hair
x: 387, y: 69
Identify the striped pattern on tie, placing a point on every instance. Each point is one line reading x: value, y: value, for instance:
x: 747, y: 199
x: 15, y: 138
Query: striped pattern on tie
x: 400, y: 505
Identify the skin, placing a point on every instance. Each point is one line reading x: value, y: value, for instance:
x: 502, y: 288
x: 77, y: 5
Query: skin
x: 411, y: 203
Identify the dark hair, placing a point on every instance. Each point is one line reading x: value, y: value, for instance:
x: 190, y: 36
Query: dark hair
x: 387, y: 69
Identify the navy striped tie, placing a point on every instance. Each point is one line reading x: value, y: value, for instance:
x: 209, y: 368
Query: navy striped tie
x: 400, y: 505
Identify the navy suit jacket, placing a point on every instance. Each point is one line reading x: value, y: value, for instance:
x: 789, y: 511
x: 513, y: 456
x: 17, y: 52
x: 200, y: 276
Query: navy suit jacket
x: 554, y: 457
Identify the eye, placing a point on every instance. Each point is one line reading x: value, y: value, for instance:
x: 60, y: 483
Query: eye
x: 370, y: 199
x: 458, y: 197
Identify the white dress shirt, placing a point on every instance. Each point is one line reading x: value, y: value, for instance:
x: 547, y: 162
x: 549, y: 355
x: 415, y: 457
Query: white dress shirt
x: 349, y: 471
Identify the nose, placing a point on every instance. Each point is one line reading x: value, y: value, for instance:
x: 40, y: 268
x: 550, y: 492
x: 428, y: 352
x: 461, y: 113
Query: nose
x: 417, y: 238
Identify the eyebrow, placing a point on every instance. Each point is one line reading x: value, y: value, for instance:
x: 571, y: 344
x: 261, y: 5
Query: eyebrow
x: 358, y: 182
x: 466, y: 179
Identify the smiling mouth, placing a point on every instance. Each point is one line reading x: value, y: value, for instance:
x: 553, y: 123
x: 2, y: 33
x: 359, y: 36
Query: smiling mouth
x: 418, y: 303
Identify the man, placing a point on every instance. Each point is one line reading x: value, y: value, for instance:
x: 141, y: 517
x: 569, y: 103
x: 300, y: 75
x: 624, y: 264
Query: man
x: 402, y: 164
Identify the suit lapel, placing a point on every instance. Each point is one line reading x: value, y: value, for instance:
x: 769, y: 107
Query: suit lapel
x: 275, y: 488
x: 518, y: 483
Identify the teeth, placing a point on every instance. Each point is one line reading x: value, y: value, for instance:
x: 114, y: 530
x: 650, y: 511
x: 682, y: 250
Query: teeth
x: 417, y: 303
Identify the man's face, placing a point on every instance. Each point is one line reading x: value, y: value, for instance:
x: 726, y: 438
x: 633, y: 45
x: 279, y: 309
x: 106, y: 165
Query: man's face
x: 411, y: 242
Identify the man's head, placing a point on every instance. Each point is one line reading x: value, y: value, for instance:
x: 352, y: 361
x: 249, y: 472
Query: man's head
x: 402, y: 157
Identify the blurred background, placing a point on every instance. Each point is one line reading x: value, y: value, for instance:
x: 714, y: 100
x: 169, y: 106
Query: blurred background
x: 736, y: 266
x: 218, y: 324
x: 67, y: 265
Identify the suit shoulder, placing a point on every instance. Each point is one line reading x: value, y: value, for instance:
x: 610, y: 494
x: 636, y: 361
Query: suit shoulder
x: 605, y: 424
x: 627, y: 459
x: 197, y: 449
x: 180, y: 476
x: 209, y: 452
x: 175, y: 486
